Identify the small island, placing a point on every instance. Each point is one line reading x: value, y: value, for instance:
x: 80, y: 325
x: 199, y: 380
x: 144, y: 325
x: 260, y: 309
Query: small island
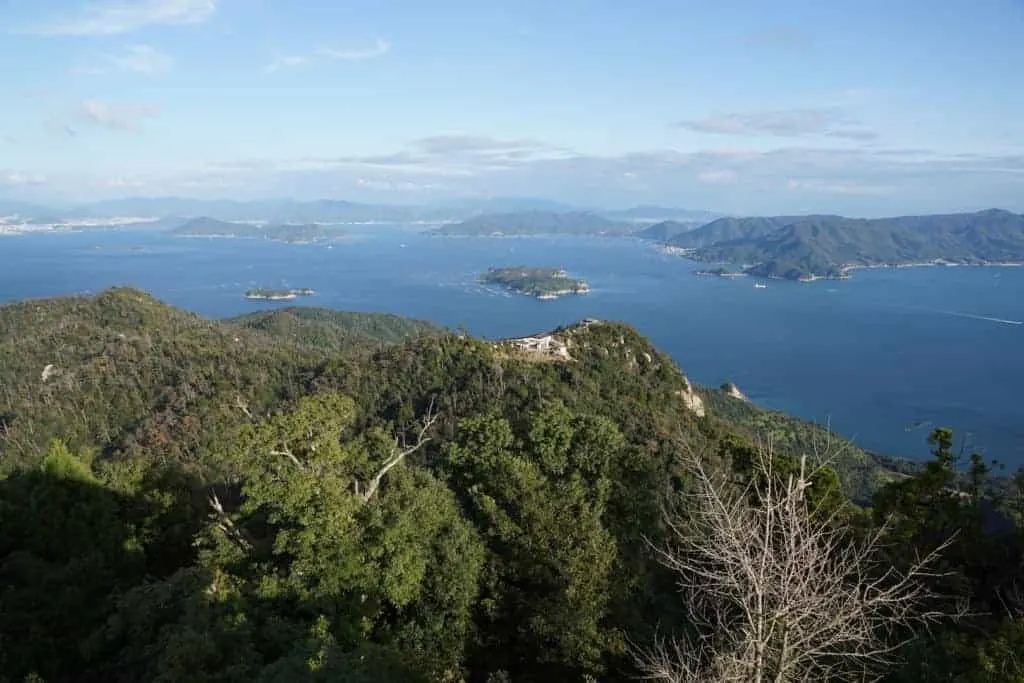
x: 278, y: 294
x: 542, y: 283
x: 721, y: 272
x: 290, y: 234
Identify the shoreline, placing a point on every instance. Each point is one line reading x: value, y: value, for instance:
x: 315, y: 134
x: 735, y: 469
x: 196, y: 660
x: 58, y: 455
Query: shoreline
x: 846, y: 271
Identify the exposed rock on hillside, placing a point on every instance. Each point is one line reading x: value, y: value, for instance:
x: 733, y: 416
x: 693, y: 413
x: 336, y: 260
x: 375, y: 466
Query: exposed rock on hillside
x: 733, y: 391
x: 691, y: 399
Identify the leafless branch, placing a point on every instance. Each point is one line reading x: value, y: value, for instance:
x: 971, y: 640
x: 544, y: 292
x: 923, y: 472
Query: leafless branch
x: 243, y: 405
x: 291, y: 456
x: 400, y: 451
x: 783, y: 591
x: 226, y: 525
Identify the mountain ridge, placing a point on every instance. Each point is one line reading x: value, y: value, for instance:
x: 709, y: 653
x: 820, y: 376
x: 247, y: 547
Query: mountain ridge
x: 808, y: 247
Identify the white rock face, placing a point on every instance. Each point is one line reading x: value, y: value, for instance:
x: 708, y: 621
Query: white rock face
x: 734, y: 391
x: 691, y: 399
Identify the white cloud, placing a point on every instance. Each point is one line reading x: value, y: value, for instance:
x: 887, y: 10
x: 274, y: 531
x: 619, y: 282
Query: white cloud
x: 22, y: 179
x: 389, y: 185
x: 782, y: 123
x: 328, y: 54
x: 286, y: 62
x: 113, y: 17
x: 839, y: 187
x: 143, y: 59
x: 719, y: 177
x: 125, y: 183
x: 139, y: 59
x: 125, y: 117
x: 379, y: 49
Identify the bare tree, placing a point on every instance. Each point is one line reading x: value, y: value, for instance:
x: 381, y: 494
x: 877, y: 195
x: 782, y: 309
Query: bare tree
x: 781, y: 590
x: 226, y: 524
x: 399, y: 453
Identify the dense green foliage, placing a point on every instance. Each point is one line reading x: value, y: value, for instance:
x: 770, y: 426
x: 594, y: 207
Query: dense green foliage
x: 534, y: 281
x: 330, y: 330
x: 295, y: 233
x: 796, y: 247
x: 539, y: 223
x: 861, y: 473
x: 191, y: 500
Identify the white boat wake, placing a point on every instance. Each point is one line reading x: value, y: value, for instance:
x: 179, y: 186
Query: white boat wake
x: 986, y: 318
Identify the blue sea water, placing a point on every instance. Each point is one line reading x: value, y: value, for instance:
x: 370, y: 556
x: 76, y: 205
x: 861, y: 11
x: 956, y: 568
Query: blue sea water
x: 882, y: 357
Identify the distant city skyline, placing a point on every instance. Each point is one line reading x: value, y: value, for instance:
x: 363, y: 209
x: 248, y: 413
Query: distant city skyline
x: 868, y: 109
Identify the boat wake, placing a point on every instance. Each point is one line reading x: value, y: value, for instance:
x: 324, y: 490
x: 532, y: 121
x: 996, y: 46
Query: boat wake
x: 987, y: 318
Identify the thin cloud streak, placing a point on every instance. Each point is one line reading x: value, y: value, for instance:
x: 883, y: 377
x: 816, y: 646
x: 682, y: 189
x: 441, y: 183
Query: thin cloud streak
x: 328, y: 54
x: 786, y: 123
x: 139, y: 59
x: 117, y: 17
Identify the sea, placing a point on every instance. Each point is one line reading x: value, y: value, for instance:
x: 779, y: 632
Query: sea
x: 882, y: 358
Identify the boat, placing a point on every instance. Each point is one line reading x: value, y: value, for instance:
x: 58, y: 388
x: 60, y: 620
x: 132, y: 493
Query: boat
x: 760, y: 285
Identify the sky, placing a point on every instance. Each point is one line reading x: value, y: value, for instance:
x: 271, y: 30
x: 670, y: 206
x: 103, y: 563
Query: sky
x: 874, y: 107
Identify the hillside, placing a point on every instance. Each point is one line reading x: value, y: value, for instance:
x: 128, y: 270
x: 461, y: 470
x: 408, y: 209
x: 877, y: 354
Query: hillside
x: 665, y: 231
x: 796, y: 247
x: 287, y: 496
x: 329, y: 330
x: 659, y: 214
x: 538, y: 223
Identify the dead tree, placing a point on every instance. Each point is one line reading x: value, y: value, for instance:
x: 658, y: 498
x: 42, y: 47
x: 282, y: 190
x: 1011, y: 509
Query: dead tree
x: 778, y: 588
x: 226, y: 525
x: 399, y: 452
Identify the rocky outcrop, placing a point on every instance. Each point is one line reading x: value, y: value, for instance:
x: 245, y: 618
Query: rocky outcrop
x: 733, y: 391
x: 691, y: 399
x: 49, y: 371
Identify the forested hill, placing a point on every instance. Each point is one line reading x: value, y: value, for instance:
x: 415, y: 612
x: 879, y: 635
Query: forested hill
x: 309, y: 496
x: 326, y: 329
x: 808, y: 246
x: 539, y: 223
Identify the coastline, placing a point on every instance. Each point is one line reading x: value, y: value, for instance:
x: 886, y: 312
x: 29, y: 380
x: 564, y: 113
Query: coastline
x: 845, y: 271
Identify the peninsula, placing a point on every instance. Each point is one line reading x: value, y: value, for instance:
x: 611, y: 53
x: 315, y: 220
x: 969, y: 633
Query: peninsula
x: 277, y: 294
x: 542, y: 283
x: 292, y: 234
x: 805, y: 248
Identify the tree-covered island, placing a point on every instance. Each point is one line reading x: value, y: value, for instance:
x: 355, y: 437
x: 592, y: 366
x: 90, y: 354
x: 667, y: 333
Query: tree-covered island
x: 721, y: 272
x: 277, y: 294
x: 292, y: 234
x: 542, y: 283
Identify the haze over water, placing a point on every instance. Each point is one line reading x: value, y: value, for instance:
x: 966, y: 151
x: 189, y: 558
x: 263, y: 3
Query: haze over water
x: 884, y: 357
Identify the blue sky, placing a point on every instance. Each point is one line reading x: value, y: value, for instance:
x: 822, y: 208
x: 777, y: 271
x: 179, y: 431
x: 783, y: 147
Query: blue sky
x: 865, y: 108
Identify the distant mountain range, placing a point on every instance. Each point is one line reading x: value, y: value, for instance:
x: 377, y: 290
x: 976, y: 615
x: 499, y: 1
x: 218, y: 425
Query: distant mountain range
x: 539, y: 223
x: 330, y: 211
x: 791, y: 247
x: 660, y: 214
x: 805, y: 247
